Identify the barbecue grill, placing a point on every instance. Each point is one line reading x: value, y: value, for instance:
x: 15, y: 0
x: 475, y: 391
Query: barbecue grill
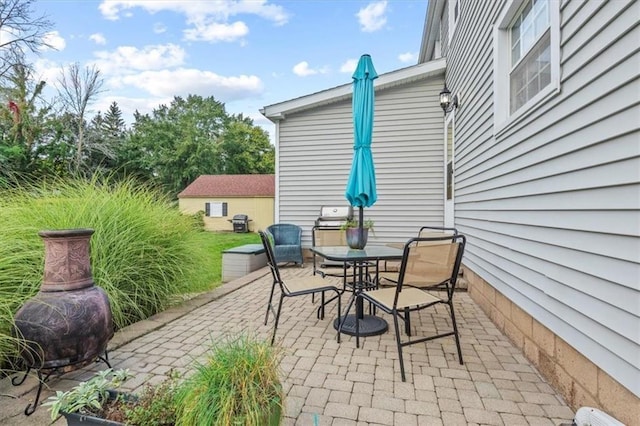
x: 334, y: 217
x: 240, y: 223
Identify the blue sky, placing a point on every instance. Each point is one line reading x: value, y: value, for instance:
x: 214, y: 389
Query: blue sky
x: 247, y: 54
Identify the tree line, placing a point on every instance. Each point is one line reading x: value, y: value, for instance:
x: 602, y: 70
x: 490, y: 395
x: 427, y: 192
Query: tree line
x: 61, y: 137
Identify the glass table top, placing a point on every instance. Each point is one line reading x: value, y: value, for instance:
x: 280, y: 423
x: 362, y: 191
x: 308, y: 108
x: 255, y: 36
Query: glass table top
x: 370, y: 252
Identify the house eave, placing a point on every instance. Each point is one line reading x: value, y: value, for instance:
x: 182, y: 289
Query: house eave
x: 430, y: 30
x: 277, y: 112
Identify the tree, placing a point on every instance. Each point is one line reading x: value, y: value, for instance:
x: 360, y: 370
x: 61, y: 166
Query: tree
x: 20, y: 32
x: 177, y: 143
x: 78, y: 89
x: 26, y: 121
x: 245, y: 149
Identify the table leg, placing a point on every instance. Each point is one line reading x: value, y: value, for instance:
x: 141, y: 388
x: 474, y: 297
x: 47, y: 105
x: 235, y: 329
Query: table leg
x: 369, y: 325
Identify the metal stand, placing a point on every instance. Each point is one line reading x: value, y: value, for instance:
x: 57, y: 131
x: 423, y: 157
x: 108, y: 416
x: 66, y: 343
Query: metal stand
x: 368, y: 325
x: 42, y: 379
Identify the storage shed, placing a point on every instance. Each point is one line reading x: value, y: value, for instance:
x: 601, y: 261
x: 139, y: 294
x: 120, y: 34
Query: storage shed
x: 221, y: 197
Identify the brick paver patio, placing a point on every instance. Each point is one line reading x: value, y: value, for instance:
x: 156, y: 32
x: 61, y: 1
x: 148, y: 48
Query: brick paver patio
x: 335, y: 384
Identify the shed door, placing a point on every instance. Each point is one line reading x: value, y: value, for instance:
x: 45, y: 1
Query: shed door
x: 449, y: 187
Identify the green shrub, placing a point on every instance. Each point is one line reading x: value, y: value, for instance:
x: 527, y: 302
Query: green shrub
x: 143, y: 251
x: 236, y: 384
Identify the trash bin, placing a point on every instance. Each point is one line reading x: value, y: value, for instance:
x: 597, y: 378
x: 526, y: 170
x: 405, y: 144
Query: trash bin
x: 240, y: 223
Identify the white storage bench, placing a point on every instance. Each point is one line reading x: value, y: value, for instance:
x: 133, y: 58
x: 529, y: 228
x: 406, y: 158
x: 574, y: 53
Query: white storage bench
x: 239, y: 261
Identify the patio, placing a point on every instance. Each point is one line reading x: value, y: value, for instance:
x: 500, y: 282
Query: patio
x: 329, y: 383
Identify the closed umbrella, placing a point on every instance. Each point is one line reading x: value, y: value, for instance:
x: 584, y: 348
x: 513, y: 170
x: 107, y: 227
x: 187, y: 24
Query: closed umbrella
x: 361, y: 186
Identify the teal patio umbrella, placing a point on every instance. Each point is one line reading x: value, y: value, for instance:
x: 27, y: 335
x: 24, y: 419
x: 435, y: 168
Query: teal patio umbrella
x: 361, y: 186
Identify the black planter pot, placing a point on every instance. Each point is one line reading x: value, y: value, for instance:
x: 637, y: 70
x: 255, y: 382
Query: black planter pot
x: 77, y: 419
x: 357, y: 238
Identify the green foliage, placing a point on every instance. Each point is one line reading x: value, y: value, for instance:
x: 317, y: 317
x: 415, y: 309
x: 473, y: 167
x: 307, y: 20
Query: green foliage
x: 194, y: 136
x: 143, y: 251
x: 353, y: 223
x: 244, y: 149
x: 156, y: 404
x: 87, y: 397
x: 237, y: 384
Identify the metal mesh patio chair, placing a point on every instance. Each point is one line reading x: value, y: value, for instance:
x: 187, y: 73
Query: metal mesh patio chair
x: 292, y: 287
x: 427, y: 264
x: 389, y: 270
x: 287, y: 239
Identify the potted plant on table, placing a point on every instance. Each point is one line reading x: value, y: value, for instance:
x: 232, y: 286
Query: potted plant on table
x: 237, y: 383
x: 356, y: 237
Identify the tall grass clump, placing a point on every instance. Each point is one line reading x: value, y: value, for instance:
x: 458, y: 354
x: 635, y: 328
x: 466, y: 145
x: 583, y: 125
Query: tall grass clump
x: 236, y: 384
x: 143, y: 251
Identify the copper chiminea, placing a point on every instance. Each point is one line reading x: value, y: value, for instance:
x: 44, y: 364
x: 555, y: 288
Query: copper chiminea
x: 68, y: 324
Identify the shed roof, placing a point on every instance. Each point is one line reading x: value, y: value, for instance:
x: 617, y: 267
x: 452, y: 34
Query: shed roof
x: 231, y: 186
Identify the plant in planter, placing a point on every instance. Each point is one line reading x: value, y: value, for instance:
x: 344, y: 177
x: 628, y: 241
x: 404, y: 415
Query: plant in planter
x: 236, y: 384
x: 355, y: 238
x: 97, y: 402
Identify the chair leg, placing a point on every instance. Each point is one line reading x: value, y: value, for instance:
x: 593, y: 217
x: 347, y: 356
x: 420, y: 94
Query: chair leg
x: 455, y: 331
x: 339, y: 310
x: 357, y: 326
x: 407, y: 322
x: 398, y: 342
x: 275, y: 327
x: 269, y: 305
x: 322, y: 302
x: 346, y: 312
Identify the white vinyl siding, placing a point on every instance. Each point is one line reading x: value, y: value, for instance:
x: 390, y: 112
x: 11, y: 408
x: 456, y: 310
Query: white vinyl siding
x: 551, y: 203
x: 316, y: 150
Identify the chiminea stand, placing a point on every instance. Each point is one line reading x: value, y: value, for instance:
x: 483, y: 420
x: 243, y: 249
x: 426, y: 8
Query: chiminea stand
x: 43, y: 376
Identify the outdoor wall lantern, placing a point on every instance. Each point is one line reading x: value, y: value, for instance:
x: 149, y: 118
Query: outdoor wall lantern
x: 448, y: 102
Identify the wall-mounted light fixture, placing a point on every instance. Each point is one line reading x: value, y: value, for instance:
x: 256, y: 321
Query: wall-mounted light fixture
x: 448, y: 102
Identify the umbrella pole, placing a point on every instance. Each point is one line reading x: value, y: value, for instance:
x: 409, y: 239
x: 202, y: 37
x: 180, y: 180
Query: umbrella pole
x: 361, y: 222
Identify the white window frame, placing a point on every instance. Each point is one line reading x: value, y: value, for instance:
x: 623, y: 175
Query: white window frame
x: 453, y: 19
x: 216, y: 208
x: 503, y: 118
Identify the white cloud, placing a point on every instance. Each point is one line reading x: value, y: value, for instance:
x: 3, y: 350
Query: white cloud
x: 408, y: 57
x: 302, y: 69
x: 47, y: 70
x: 221, y: 9
x: 349, y: 66
x: 214, y: 32
x: 207, y: 20
x: 54, y: 40
x: 159, y: 28
x: 98, y: 38
x: 372, y: 18
x: 183, y: 81
x: 130, y: 58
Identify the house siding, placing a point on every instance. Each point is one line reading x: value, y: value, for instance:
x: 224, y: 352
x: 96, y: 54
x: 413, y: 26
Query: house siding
x: 551, y: 203
x: 316, y: 149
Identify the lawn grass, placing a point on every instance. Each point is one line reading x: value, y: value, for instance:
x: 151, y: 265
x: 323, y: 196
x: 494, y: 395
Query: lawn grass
x: 217, y: 242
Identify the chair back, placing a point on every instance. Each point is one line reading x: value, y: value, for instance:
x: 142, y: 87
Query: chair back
x: 267, y: 238
x: 436, y: 231
x: 430, y: 262
x: 285, y: 233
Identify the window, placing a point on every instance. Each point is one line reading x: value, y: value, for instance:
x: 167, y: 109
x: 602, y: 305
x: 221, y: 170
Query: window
x: 215, y: 209
x: 454, y: 14
x: 530, y: 59
x: 527, y: 55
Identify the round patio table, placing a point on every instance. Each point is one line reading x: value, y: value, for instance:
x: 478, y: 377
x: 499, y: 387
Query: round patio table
x: 368, y: 325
